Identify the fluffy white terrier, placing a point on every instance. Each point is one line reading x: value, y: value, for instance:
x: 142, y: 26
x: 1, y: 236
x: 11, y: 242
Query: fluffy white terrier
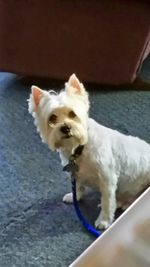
x: 116, y: 164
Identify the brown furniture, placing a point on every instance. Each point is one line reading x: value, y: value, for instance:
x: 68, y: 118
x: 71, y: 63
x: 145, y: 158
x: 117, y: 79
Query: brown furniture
x: 101, y: 41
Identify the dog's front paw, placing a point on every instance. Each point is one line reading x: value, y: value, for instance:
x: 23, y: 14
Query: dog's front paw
x: 68, y: 198
x: 102, y: 224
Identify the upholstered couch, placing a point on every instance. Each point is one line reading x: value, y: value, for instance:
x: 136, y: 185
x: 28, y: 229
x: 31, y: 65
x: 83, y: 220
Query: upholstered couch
x: 101, y: 41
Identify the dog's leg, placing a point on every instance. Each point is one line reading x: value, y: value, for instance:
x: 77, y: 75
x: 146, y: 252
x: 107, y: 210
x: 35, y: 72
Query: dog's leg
x: 108, y: 204
x: 68, y: 198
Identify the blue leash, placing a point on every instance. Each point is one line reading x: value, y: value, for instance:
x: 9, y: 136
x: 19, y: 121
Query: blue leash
x: 72, y: 168
x: 79, y: 214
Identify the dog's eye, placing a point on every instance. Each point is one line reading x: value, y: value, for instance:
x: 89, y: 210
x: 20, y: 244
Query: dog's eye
x: 53, y: 119
x: 72, y: 114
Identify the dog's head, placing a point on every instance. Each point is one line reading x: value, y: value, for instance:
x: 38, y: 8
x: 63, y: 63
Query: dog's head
x: 61, y: 119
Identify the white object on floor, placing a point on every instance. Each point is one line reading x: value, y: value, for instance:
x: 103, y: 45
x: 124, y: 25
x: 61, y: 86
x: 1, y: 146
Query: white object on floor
x: 126, y: 243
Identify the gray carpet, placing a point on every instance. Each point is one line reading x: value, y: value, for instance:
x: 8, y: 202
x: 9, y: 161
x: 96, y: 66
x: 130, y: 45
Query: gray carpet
x: 36, y: 228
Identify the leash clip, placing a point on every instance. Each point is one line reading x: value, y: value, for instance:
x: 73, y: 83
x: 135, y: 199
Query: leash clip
x: 71, y: 167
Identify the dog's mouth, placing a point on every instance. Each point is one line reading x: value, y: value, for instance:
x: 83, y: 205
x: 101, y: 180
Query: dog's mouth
x: 67, y: 135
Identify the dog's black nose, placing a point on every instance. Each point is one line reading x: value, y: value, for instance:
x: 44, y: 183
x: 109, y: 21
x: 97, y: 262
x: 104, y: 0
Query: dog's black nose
x: 65, y: 129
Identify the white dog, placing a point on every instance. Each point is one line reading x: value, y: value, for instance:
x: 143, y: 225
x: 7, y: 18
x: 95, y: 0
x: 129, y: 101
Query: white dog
x: 116, y: 164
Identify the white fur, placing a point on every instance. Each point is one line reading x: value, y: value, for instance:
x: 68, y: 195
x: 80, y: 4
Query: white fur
x: 115, y: 164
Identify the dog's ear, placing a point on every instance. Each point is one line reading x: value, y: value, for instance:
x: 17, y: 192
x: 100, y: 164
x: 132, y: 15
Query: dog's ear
x: 74, y: 83
x: 74, y: 86
x: 36, y: 93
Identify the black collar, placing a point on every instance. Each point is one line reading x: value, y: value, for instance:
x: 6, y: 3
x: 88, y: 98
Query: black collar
x: 77, y: 153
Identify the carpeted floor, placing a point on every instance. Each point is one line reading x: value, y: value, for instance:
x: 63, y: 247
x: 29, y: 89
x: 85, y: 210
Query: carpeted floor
x: 36, y: 228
